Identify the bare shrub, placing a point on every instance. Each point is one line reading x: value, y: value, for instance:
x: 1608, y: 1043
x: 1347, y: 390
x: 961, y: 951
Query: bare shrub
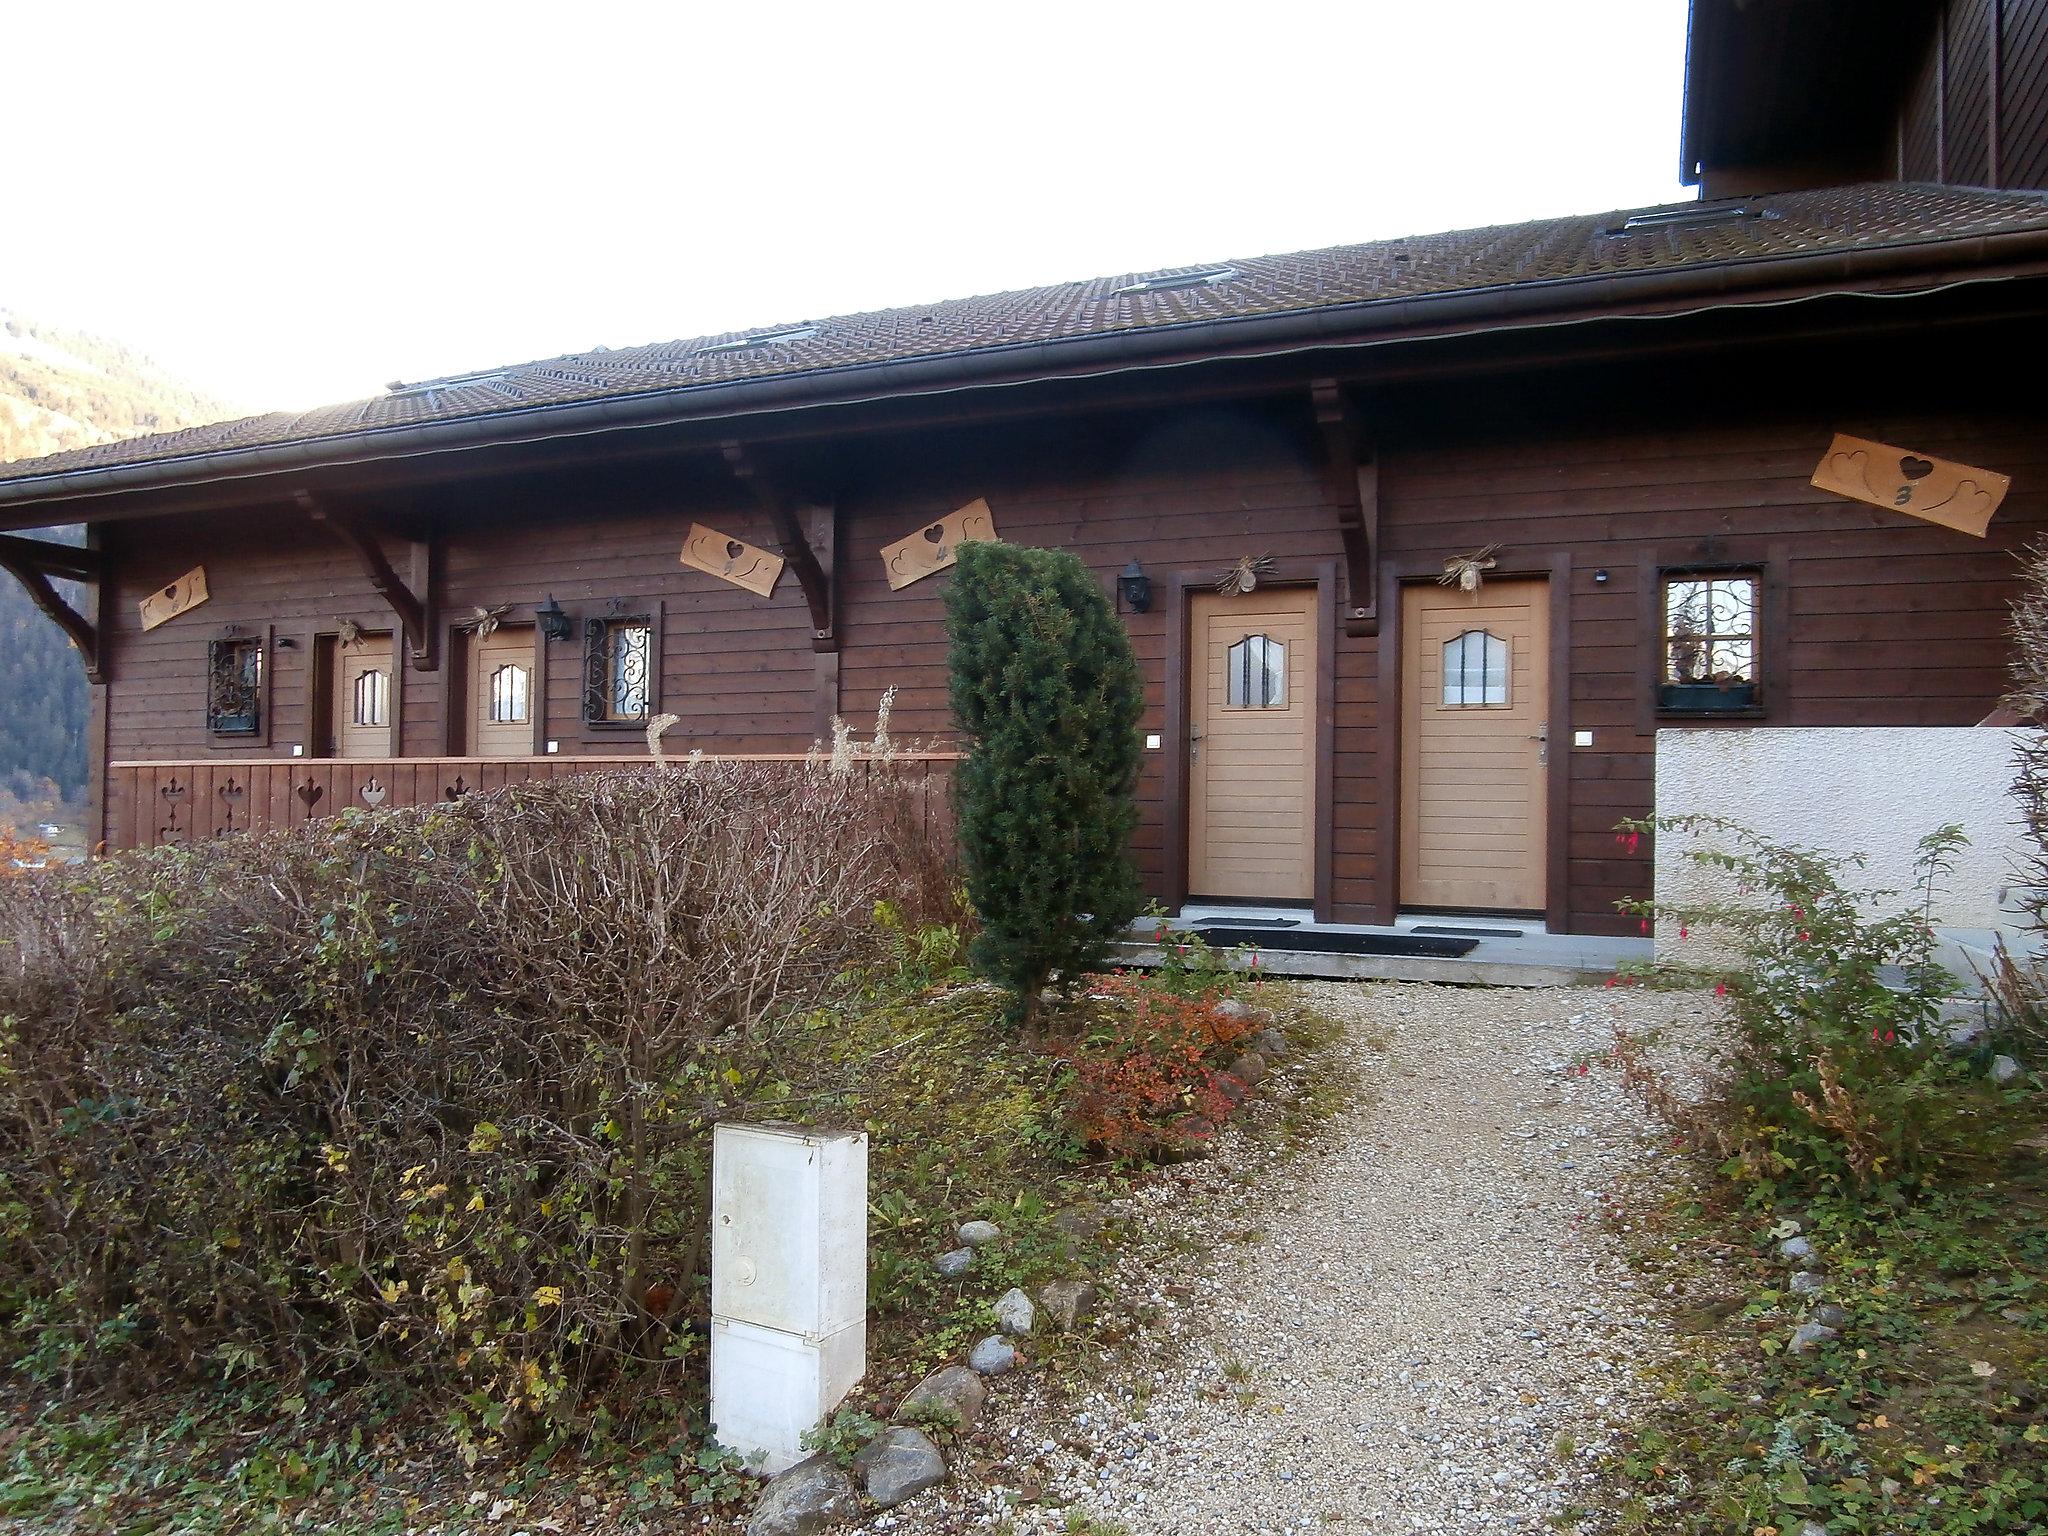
x: 421, y: 1097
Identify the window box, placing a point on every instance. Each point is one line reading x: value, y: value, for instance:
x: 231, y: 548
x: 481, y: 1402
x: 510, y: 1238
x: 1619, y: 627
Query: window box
x: 1708, y: 698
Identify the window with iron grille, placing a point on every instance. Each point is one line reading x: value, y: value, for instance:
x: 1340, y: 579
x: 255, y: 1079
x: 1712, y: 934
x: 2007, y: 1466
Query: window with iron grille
x: 372, y: 702
x: 1475, y: 671
x: 1710, y: 640
x: 234, y: 686
x: 621, y: 670
x: 509, y: 689
x: 1255, y: 674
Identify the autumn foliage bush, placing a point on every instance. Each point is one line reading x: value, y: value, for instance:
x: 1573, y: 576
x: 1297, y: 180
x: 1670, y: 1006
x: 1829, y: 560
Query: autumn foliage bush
x: 420, y: 1098
x: 1148, y: 1066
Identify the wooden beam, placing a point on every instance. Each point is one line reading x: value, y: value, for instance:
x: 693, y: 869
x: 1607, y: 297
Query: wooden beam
x: 83, y: 632
x: 414, y: 610
x: 820, y: 591
x: 66, y: 560
x: 1352, y: 472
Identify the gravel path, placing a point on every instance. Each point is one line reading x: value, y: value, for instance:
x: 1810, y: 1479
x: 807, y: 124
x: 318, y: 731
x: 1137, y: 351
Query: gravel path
x: 1422, y: 1323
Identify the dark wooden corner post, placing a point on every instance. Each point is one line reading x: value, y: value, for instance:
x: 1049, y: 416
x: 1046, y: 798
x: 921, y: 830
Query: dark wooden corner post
x: 1352, y: 472
x: 414, y: 604
x: 33, y: 563
x: 813, y: 555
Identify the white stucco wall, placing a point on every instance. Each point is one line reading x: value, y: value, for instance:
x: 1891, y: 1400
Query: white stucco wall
x: 1851, y: 789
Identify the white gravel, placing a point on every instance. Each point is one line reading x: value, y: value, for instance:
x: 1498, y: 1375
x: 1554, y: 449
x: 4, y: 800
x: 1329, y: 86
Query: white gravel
x: 1423, y: 1322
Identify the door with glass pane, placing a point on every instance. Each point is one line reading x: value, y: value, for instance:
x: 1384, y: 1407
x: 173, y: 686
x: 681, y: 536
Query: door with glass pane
x: 1251, y: 745
x: 501, y: 693
x: 1475, y: 751
x: 365, y: 698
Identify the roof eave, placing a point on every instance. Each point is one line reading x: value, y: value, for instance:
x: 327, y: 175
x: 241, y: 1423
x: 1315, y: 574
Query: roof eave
x: 1466, y: 312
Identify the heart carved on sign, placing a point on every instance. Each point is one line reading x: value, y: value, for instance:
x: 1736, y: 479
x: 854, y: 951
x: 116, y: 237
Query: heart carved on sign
x: 1914, y: 468
x: 373, y: 793
x: 310, y: 793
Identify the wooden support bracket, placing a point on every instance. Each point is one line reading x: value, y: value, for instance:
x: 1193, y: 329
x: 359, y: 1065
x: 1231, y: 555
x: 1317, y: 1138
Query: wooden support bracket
x: 413, y: 605
x: 820, y: 591
x: 32, y: 563
x: 1352, y: 472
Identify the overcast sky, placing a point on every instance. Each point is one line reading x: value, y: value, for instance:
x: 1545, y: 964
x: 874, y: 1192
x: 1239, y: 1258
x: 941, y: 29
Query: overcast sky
x: 296, y: 202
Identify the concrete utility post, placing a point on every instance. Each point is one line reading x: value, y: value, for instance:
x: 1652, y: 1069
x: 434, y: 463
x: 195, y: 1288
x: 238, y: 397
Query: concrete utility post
x: 789, y: 1283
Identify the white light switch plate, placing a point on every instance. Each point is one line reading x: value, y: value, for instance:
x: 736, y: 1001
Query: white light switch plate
x: 1582, y: 738
x: 1152, y: 742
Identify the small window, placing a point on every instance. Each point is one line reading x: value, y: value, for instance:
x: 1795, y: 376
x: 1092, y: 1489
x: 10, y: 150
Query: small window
x: 1709, y: 641
x: 234, y: 687
x: 509, y: 690
x: 1475, y: 670
x: 619, y: 671
x: 1255, y: 674
x: 372, y: 704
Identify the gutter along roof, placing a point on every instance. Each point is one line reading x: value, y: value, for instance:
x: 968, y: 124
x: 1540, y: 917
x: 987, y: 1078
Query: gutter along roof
x: 1682, y: 259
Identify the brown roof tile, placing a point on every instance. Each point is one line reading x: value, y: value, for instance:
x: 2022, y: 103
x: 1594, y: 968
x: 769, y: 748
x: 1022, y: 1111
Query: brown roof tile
x: 1841, y: 219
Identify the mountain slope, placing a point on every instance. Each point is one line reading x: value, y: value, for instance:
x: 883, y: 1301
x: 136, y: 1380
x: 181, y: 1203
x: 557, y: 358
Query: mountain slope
x: 64, y: 389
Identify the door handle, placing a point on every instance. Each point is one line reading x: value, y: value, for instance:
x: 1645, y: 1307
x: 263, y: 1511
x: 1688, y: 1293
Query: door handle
x: 1542, y: 738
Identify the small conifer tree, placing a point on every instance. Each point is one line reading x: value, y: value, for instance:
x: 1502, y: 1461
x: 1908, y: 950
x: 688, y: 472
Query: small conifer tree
x: 1047, y: 701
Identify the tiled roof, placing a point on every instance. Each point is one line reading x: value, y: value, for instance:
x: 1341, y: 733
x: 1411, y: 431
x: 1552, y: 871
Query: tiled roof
x: 1474, y: 261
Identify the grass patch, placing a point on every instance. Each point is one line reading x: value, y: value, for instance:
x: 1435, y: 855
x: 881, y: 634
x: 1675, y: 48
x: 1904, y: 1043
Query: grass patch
x: 1928, y: 1413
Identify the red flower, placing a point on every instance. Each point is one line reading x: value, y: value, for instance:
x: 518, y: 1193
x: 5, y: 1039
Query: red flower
x: 1805, y: 937
x: 1646, y: 925
x: 1720, y: 989
x: 1612, y: 979
x: 1684, y: 932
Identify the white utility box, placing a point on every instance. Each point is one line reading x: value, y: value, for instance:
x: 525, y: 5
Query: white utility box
x: 789, y: 1283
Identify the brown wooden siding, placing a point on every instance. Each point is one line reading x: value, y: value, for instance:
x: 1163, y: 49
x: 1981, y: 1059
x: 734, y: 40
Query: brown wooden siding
x: 1875, y: 618
x: 1975, y: 108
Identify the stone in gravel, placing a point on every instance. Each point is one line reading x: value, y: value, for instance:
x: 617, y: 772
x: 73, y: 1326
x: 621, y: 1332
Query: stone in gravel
x: 955, y: 1264
x: 1807, y: 1335
x: 1795, y: 1250
x: 1248, y: 1068
x: 2004, y: 1069
x: 1014, y: 1312
x: 1232, y: 1088
x: 1807, y: 1283
x: 979, y: 1234
x: 1231, y: 1008
x: 1831, y: 1316
x: 899, y: 1464
x: 956, y: 1390
x: 1067, y: 1302
x: 993, y: 1355
x: 807, y: 1498
x: 1271, y: 1044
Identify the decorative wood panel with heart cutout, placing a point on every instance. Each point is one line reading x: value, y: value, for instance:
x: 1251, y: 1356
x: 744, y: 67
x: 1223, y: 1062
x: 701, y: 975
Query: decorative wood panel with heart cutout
x: 936, y: 545
x: 734, y: 560
x: 1935, y: 490
x: 181, y: 596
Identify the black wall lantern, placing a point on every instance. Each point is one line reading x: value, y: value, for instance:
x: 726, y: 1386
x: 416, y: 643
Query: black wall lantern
x: 554, y: 623
x: 1135, y: 588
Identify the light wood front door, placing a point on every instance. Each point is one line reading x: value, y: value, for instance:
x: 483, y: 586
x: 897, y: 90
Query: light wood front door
x: 1475, y: 717
x: 1251, y: 745
x: 501, y: 693
x: 365, y: 699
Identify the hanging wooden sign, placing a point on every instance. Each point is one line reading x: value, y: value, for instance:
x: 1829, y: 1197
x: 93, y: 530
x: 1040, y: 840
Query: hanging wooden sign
x: 1934, y: 490
x: 181, y: 596
x: 733, y: 560
x: 936, y: 545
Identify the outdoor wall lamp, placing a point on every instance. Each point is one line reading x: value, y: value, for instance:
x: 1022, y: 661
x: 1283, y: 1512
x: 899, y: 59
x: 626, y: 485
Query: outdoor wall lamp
x: 1135, y: 588
x: 554, y: 623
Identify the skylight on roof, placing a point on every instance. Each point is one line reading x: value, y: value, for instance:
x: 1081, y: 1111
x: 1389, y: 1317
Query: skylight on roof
x: 1700, y: 217
x: 764, y: 339
x: 1166, y: 282
x: 398, y: 389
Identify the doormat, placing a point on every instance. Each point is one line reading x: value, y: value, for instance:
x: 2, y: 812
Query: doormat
x: 1461, y: 933
x: 1322, y: 942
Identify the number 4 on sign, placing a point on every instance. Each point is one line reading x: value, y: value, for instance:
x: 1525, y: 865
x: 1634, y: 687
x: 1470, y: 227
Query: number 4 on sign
x: 1934, y: 490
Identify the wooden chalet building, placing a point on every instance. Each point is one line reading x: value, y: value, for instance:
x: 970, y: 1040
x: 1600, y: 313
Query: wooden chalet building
x: 1614, y: 423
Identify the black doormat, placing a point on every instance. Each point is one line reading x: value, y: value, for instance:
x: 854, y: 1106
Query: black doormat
x: 1463, y: 933
x: 1323, y: 942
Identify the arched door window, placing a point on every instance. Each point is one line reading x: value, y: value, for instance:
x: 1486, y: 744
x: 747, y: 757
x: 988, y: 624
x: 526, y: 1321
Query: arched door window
x: 373, y: 698
x: 1475, y: 670
x: 509, y: 690
x: 1255, y: 674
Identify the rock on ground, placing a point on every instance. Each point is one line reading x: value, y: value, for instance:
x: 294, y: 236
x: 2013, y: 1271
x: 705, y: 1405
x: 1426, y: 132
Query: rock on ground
x: 993, y: 1355
x: 979, y: 1234
x: 1420, y: 1323
x: 899, y: 1464
x: 956, y: 1390
x: 1015, y: 1313
x: 1068, y: 1302
x: 809, y: 1497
